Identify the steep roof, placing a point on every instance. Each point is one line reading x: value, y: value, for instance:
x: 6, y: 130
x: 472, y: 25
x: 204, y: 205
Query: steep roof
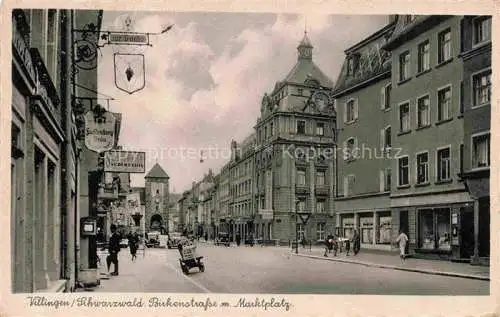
x: 157, y: 172
x: 305, y: 69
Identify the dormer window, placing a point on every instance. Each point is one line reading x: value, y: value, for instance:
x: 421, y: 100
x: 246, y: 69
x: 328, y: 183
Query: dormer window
x: 409, y: 18
x: 352, y: 64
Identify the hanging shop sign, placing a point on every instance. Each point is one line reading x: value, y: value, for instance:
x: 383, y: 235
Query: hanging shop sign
x: 99, y: 131
x: 125, y: 162
x: 129, y: 72
x: 127, y: 38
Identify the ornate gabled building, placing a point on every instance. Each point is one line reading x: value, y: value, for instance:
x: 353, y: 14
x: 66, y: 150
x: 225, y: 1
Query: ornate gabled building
x: 294, y: 165
x: 157, y: 199
x: 363, y: 99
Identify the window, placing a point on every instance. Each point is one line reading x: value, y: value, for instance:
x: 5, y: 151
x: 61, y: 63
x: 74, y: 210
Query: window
x: 320, y: 178
x: 300, y: 91
x: 301, y: 205
x: 444, y: 104
x: 387, y: 138
x: 422, y: 168
x: 424, y: 57
x: 350, y: 111
x: 271, y: 129
x: 403, y: 171
x: 444, y: 46
x: 435, y: 229
x: 301, y: 127
x: 387, y: 180
x: 423, y: 112
x: 386, y: 97
x: 350, y: 66
x: 443, y: 164
x: 301, y: 177
x: 320, y: 206
x: 320, y: 231
x: 461, y: 159
x: 366, y: 230
x: 300, y: 230
x: 320, y: 128
x: 350, y: 149
x: 404, y: 66
x: 482, y: 30
x: 349, y: 185
x: 482, y: 88
x: 404, y: 117
x: 265, y: 133
x: 52, y: 47
x: 481, y: 151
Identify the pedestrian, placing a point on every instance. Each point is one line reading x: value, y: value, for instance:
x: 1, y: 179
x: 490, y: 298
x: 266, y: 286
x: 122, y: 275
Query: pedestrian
x: 133, y: 243
x: 113, y: 249
x: 328, y: 244
x: 238, y: 239
x: 347, y: 246
x: 402, y: 240
x: 356, y: 240
x: 335, y: 245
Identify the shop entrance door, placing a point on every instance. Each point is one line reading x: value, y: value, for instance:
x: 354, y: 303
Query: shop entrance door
x: 484, y: 227
x: 466, y: 232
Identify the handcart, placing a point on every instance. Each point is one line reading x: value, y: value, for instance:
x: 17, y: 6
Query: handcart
x: 189, y: 259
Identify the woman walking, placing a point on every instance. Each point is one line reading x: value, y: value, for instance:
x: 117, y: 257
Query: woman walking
x: 133, y: 241
x: 402, y: 240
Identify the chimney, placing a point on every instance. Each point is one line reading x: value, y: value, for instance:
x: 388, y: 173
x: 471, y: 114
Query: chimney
x: 393, y: 18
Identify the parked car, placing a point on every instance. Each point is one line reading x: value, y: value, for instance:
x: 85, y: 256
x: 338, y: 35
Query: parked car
x: 173, y: 240
x: 153, y: 239
x: 222, y: 238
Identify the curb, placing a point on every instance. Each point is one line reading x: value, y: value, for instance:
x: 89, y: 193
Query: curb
x: 398, y: 268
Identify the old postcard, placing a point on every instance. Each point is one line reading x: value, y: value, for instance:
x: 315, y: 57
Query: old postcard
x: 244, y: 158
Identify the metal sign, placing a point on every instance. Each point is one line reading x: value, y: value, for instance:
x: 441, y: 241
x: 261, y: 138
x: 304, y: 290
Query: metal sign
x: 99, y: 131
x: 125, y: 162
x: 129, y: 72
x: 127, y: 38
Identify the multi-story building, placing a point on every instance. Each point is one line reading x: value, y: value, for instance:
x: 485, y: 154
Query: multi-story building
x: 223, y: 216
x: 294, y: 165
x: 241, y: 171
x: 474, y: 222
x: 49, y: 168
x: 427, y: 194
x: 157, y: 199
x: 364, y: 135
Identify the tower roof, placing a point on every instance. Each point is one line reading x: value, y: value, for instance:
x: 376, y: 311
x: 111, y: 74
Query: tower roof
x: 157, y: 172
x: 305, y: 41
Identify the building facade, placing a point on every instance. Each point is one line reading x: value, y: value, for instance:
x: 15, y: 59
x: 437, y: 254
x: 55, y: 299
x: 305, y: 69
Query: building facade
x: 364, y: 138
x: 157, y: 199
x: 476, y: 103
x: 427, y: 195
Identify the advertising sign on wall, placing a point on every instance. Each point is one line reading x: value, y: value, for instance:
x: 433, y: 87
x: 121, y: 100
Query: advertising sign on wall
x: 125, y: 162
x: 99, y: 131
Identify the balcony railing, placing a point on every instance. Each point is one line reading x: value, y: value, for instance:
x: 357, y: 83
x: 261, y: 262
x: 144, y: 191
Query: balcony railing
x: 321, y: 190
x: 302, y: 189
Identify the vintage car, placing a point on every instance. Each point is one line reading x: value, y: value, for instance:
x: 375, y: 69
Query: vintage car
x: 222, y: 238
x: 153, y: 239
x: 173, y: 240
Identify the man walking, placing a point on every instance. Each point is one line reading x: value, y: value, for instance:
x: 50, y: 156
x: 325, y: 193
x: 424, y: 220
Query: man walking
x: 402, y: 240
x: 356, y: 241
x: 113, y: 249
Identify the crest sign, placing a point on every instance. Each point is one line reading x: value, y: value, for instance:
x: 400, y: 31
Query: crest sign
x: 99, y: 131
x: 130, y: 72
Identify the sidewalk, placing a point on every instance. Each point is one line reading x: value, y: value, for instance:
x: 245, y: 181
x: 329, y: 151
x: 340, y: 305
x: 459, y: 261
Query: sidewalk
x: 392, y: 261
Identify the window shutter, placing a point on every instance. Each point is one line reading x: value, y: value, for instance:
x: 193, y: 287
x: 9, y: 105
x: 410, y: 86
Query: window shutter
x: 382, y: 181
x: 382, y: 98
x: 346, y: 186
x: 356, y: 112
x: 345, y: 111
x: 382, y: 140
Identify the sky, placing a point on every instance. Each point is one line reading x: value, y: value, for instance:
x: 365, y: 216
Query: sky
x: 205, y: 78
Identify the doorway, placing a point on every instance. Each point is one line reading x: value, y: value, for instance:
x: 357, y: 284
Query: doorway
x: 466, y: 232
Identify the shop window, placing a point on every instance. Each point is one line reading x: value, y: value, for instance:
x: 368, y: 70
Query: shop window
x: 348, y: 227
x: 366, y: 230
x: 320, y: 231
x: 385, y: 230
x: 435, y: 229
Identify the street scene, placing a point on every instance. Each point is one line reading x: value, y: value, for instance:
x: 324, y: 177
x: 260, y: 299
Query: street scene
x: 211, y: 152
